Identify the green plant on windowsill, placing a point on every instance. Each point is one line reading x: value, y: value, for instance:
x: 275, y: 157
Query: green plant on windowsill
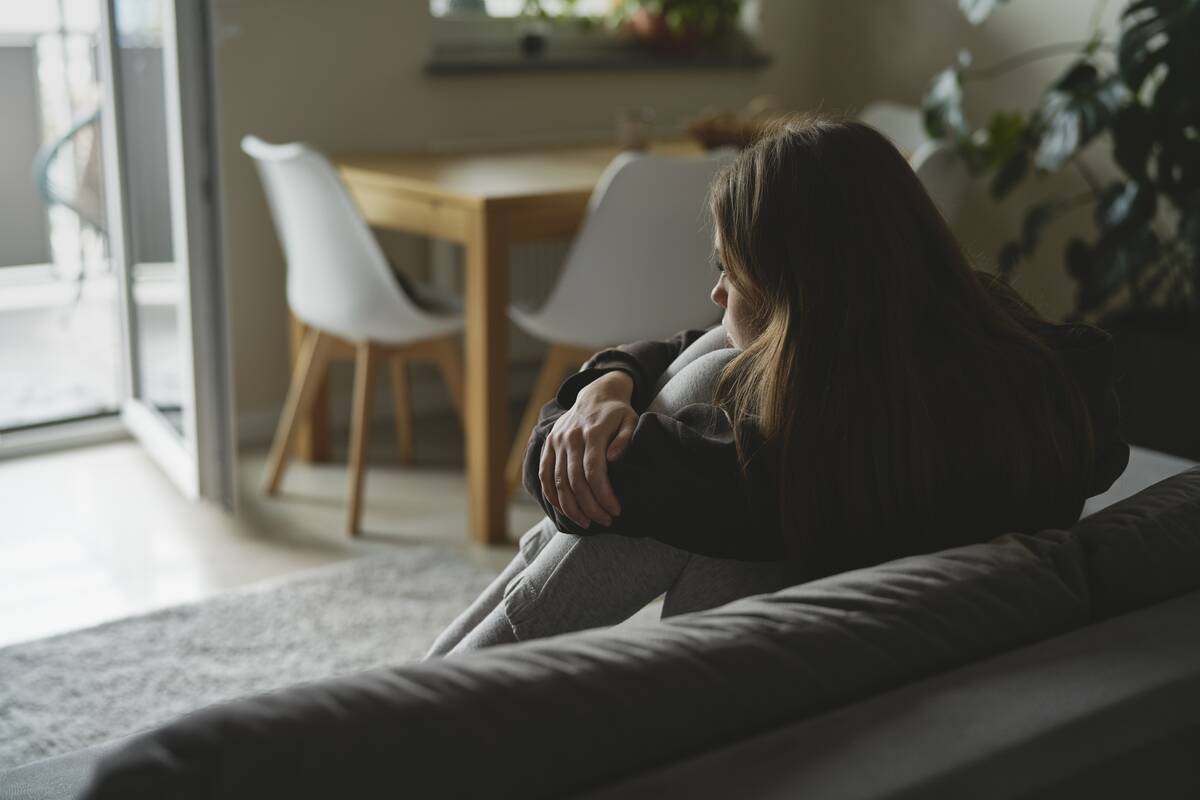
x: 565, y: 13
x: 682, y: 26
x: 1141, y: 91
x: 678, y: 27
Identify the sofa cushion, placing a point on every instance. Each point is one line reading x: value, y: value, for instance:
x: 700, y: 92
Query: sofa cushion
x: 1105, y: 711
x: 549, y: 717
x: 1144, y: 549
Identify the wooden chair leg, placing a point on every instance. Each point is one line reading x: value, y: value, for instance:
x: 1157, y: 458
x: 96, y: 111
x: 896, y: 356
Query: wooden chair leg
x: 307, y: 377
x: 559, y: 358
x: 360, y: 421
x: 450, y: 365
x: 312, y: 438
x: 402, y: 400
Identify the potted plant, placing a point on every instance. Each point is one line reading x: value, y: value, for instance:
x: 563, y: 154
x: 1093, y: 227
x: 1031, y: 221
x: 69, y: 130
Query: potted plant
x: 680, y: 26
x: 1138, y: 274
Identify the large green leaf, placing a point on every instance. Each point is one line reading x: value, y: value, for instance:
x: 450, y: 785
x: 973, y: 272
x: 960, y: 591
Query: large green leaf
x: 1126, y: 207
x: 1155, y: 33
x: 1009, y: 257
x: 1133, y: 132
x: 1188, y: 231
x: 1010, y: 174
x: 1153, y: 280
x: 1177, y: 135
x: 1074, y: 111
x: 1006, y: 132
x: 1189, y: 219
x: 1141, y: 47
x: 1078, y: 258
x: 942, y: 104
x: 1119, y: 259
x: 1002, y: 146
x: 1177, y: 165
x: 1036, y: 220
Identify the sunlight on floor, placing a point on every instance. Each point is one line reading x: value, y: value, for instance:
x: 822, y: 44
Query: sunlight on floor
x: 98, y: 533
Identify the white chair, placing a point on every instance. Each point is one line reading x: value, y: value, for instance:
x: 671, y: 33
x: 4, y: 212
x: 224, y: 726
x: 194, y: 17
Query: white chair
x: 940, y: 169
x: 639, y: 268
x: 944, y: 177
x: 340, y: 285
x: 900, y: 123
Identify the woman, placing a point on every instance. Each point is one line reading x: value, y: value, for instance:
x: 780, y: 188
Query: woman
x: 887, y: 400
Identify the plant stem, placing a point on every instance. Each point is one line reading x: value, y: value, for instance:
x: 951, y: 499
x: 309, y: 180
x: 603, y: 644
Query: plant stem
x: 1030, y: 56
x: 1097, y: 14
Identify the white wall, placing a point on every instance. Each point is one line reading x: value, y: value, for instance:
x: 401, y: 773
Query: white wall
x: 348, y: 76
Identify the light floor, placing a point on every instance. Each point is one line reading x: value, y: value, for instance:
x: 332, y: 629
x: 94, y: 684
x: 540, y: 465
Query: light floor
x: 68, y: 364
x: 98, y: 533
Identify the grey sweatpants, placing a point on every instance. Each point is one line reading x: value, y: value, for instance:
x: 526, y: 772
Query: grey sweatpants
x: 559, y: 583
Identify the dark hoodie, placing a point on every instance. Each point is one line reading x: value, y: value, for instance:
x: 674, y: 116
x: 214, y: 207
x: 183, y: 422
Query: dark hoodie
x: 680, y: 480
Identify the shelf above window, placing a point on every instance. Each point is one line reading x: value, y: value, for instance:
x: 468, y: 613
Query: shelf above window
x: 484, y: 62
x: 477, y: 45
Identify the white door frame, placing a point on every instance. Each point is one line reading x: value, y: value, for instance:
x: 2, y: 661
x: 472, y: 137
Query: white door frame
x: 201, y: 461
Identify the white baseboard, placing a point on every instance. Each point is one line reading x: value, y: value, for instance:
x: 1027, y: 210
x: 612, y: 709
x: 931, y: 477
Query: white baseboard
x: 255, y: 427
x: 63, y: 436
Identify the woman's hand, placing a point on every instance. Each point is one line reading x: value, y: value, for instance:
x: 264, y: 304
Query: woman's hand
x: 575, y: 457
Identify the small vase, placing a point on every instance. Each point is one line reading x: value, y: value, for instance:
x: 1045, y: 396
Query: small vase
x: 532, y: 38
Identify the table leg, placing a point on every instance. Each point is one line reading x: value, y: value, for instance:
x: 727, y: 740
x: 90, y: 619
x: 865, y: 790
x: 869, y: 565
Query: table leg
x: 486, y: 290
x: 312, y: 432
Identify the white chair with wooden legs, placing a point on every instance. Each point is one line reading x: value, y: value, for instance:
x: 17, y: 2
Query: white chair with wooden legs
x: 936, y: 163
x: 901, y: 123
x: 340, y: 285
x: 640, y: 268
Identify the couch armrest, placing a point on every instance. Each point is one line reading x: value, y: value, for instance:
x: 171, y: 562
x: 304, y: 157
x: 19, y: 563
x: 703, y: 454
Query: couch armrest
x: 549, y: 717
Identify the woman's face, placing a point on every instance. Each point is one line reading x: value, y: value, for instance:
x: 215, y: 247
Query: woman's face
x: 736, y: 318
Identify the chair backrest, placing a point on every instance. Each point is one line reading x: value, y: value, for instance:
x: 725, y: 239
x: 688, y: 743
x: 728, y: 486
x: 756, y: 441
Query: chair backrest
x: 338, y: 278
x: 936, y: 164
x: 943, y: 175
x: 641, y: 265
x: 900, y: 123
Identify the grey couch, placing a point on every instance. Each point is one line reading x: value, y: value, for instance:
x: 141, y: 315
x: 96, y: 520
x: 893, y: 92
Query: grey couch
x: 1061, y: 664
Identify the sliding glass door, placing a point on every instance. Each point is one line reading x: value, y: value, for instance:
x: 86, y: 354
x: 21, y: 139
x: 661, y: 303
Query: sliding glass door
x: 160, y: 157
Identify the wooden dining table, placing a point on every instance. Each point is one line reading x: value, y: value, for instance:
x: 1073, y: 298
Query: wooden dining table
x: 487, y: 202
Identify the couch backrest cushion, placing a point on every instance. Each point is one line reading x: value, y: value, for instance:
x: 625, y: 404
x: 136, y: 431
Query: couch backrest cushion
x: 1144, y: 549
x: 549, y: 717
x: 1105, y: 712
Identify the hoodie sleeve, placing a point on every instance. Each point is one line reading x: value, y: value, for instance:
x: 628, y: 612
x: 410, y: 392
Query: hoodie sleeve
x: 644, y: 361
x: 681, y: 482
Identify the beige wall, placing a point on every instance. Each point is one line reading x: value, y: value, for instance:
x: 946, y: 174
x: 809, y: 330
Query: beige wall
x: 349, y: 76
x: 889, y: 49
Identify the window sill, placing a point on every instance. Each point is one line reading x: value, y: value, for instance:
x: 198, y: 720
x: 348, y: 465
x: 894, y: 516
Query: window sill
x: 498, y: 62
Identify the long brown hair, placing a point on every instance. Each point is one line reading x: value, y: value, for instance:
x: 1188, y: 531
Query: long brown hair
x: 888, y: 380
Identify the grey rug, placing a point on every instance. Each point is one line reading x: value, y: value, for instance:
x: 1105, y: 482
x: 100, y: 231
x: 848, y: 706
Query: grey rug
x: 82, y: 688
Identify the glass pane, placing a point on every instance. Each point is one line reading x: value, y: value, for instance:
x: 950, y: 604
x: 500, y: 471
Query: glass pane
x: 59, y: 326
x: 156, y: 275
